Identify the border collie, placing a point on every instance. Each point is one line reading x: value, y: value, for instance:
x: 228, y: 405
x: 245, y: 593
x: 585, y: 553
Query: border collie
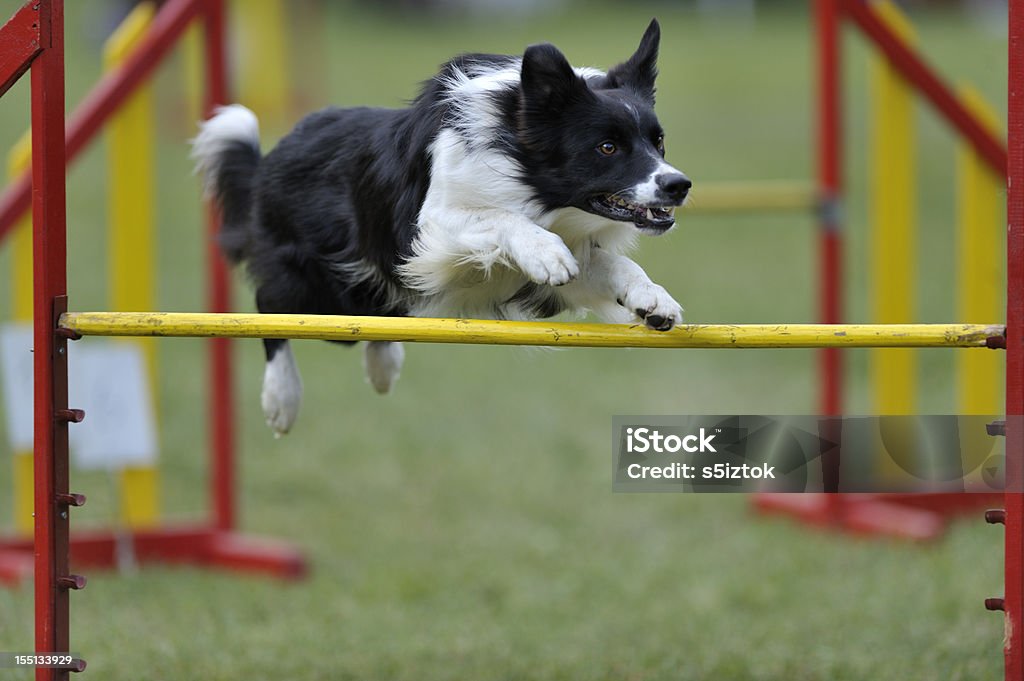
x: 510, y: 188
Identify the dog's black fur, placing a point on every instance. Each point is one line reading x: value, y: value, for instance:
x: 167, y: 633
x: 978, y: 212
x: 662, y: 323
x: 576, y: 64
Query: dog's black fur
x: 326, y: 221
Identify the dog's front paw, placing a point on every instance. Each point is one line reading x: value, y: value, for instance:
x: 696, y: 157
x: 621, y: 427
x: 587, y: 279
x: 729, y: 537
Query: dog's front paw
x: 653, y: 306
x: 548, y: 261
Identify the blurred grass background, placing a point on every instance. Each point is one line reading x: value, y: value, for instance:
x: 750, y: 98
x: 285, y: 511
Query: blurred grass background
x: 464, y: 527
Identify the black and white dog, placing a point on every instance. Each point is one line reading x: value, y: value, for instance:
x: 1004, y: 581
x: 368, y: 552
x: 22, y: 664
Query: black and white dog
x: 510, y: 188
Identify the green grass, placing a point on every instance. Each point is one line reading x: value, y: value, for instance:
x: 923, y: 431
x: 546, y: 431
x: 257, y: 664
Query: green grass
x: 464, y: 528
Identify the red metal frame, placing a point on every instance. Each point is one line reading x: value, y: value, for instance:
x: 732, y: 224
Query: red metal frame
x: 921, y: 76
x: 213, y: 543
x: 184, y: 544
x: 19, y: 47
x: 221, y: 394
x: 107, y: 97
x: 830, y: 192
x: 924, y: 516
x: 829, y: 16
x: 915, y: 517
x: 830, y: 197
x: 49, y: 284
x: 827, y: 509
x: 1013, y: 600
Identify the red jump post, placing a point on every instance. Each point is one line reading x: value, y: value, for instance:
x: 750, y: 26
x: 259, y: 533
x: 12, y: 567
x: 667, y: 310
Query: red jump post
x: 34, y: 39
x: 213, y: 541
x: 1012, y: 602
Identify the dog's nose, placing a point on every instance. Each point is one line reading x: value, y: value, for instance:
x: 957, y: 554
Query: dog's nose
x: 675, y: 185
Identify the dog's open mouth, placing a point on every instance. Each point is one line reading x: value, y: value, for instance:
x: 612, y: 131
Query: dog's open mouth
x: 645, y: 217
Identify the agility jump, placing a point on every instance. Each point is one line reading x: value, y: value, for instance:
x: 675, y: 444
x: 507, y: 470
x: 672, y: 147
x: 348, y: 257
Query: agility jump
x: 498, y: 332
x: 898, y: 80
x: 35, y: 37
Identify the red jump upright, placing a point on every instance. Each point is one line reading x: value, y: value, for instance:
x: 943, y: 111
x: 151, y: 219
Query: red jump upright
x: 213, y: 542
x: 53, y: 580
x: 33, y: 39
x: 917, y: 516
x: 1012, y: 602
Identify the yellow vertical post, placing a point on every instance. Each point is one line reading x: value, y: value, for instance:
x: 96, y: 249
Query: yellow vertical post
x: 131, y: 262
x: 18, y: 161
x: 893, y: 246
x: 980, y: 197
x: 263, y: 68
x: 192, y: 55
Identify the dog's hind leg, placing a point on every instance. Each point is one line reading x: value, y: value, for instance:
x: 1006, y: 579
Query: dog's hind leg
x: 382, y: 361
x: 282, y: 386
x: 281, y: 395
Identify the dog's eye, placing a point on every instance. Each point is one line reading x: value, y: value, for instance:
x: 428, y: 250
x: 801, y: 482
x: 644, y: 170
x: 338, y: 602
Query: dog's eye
x: 660, y: 144
x: 607, y: 148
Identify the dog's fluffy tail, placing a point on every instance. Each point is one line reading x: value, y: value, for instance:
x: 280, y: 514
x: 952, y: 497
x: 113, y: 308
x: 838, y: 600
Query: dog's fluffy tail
x: 227, y: 153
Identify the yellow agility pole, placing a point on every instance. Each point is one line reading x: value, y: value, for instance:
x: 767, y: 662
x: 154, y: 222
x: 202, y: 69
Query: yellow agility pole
x: 192, y: 72
x: 557, y: 334
x: 753, y: 196
x: 893, y: 220
x: 980, y: 198
x: 131, y: 260
x: 18, y: 161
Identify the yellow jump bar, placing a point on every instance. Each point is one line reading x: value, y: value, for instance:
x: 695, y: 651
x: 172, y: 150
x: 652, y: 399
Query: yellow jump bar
x: 752, y: 196
x: 490, y: 332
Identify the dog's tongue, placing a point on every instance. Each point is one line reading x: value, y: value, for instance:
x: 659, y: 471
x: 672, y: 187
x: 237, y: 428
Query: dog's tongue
x: 640, y: 214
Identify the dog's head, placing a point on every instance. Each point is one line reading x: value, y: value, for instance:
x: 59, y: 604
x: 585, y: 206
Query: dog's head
x: 592, y: 141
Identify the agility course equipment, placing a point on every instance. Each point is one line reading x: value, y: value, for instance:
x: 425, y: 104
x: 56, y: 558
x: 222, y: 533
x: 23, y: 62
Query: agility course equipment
x: 903, y: 69
x: 979, y: 236
x: 212, y: 541
x: 898, y: 75
x: 21, y: 306
x: 263, y: 67
x: 893, y: 219
x: 34, y: 38
x: 562, y: 334
x: 755, y: 196
x: 894, y: 241
x: 131, y: 261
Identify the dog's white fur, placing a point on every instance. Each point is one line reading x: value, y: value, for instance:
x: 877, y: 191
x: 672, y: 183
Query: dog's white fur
x: 230, y: 124
x: 382, y: 362
x: 282, y: 391
x: 481, y: 233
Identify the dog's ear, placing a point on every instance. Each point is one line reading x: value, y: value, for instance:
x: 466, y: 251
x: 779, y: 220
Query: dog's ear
x: 548, y: 80
x: 639, y: 71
